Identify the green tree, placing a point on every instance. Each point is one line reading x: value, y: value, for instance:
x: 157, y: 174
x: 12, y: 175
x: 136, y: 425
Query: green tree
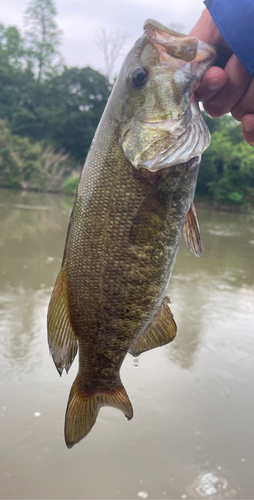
x: 72, y: 105
x: 227, y: 167
x: 12, y: 50
x: 43, y: 37
x: 63, y: 111
x: 16, y: 79
x: 29, y: 165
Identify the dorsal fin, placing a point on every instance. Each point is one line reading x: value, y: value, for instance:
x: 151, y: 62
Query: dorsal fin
x: 191, y: 232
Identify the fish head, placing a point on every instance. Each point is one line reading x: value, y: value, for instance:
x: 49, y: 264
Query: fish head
x: 161, y: 121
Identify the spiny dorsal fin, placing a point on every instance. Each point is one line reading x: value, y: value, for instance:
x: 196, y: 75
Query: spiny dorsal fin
x: 62, y: 340
x: 191, y: 232
x: 161, y: 331
x: 83, y: 408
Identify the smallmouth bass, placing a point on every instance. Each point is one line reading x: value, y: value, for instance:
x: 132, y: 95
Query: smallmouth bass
x: 133, y: 202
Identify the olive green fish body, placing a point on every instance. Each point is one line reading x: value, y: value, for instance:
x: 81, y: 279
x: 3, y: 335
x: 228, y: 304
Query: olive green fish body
x: 115, y: 285
x: 134, y: 196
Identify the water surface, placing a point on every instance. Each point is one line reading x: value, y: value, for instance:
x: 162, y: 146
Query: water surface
x: 192, y: 431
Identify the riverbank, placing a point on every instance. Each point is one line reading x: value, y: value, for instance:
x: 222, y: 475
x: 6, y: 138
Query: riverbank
x: 69, y: 187
x: 206, y: 203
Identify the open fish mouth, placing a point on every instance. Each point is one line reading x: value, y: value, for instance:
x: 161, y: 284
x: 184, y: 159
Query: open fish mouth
x: 189, y: 135
x: 171, y: 43
x: 174, y: 131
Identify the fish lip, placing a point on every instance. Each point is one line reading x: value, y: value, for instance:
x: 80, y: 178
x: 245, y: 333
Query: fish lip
x: 178, y: 45
x: 171, y: 42
x: 151, y: 25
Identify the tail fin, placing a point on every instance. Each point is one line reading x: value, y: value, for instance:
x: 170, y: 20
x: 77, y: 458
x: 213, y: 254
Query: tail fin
x: 83, y: 408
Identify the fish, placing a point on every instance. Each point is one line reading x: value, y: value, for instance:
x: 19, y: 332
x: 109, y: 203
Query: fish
x: 133, y: 202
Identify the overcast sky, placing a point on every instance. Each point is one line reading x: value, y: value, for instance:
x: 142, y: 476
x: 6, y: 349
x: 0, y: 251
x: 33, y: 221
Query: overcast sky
x: 79, y: 20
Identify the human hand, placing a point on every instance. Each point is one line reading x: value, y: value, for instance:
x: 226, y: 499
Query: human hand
x: 225, y: 90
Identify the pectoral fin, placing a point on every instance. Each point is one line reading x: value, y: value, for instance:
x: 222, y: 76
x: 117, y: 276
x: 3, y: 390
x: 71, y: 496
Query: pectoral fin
x: 62, y: 340
x: 161, y: 331
x: 191, y: 232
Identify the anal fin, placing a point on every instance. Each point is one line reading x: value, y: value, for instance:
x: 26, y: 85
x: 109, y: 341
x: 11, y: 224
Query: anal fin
x: 191, y: 232
x: 62, y: 340
x: 161, y: 331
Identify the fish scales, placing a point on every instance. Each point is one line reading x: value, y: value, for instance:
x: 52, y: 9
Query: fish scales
x: 134, y: 195
x: 139, y: 275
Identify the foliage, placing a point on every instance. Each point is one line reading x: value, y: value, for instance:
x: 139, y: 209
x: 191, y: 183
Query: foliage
x: 12, y: 49
x: 43, y: 37
x: 63, y: 110
x: 70, y: 107
x: 69, y: 185
x: 30, y: 165
x: 227, y: 167
x: 49, y: 114
x: 46, y: 114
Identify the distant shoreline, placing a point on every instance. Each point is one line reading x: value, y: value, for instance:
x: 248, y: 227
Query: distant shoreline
x: 200, y: 203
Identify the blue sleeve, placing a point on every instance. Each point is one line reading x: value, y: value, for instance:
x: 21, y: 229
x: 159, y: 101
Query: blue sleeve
x: 235, y: 21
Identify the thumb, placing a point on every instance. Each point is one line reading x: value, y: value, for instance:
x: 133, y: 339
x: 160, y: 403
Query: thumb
x: 206, y: 30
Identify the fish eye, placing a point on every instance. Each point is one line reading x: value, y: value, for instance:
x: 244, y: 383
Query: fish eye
x: 138, y: 76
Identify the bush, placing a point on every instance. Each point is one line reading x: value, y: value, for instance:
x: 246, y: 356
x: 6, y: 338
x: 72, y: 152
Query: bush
x: 29, y: 165
x: 69, y: 185
x: 227, y: 167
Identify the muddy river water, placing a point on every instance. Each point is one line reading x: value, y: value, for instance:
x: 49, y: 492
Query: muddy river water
x: 192, y: 435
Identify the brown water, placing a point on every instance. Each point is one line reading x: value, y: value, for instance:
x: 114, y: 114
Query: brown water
x: 192, y: 433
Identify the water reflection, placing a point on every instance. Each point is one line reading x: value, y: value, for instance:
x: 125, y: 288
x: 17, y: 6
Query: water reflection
x: 188, y: 302
x: 33, y: 228
x: 193, y: 424
x: 19, y: 310
x: 197, y: 283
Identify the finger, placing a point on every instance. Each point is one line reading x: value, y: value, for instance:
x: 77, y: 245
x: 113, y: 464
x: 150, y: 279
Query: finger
x: 214, y: 79
x: 206, y: 30
x: 246, y: 104
x: 248, y: 129
x: 238, y: 80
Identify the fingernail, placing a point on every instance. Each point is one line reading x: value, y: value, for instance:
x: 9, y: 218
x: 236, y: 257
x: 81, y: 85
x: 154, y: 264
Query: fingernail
x: 215, y: 84
x: 248, y: 126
